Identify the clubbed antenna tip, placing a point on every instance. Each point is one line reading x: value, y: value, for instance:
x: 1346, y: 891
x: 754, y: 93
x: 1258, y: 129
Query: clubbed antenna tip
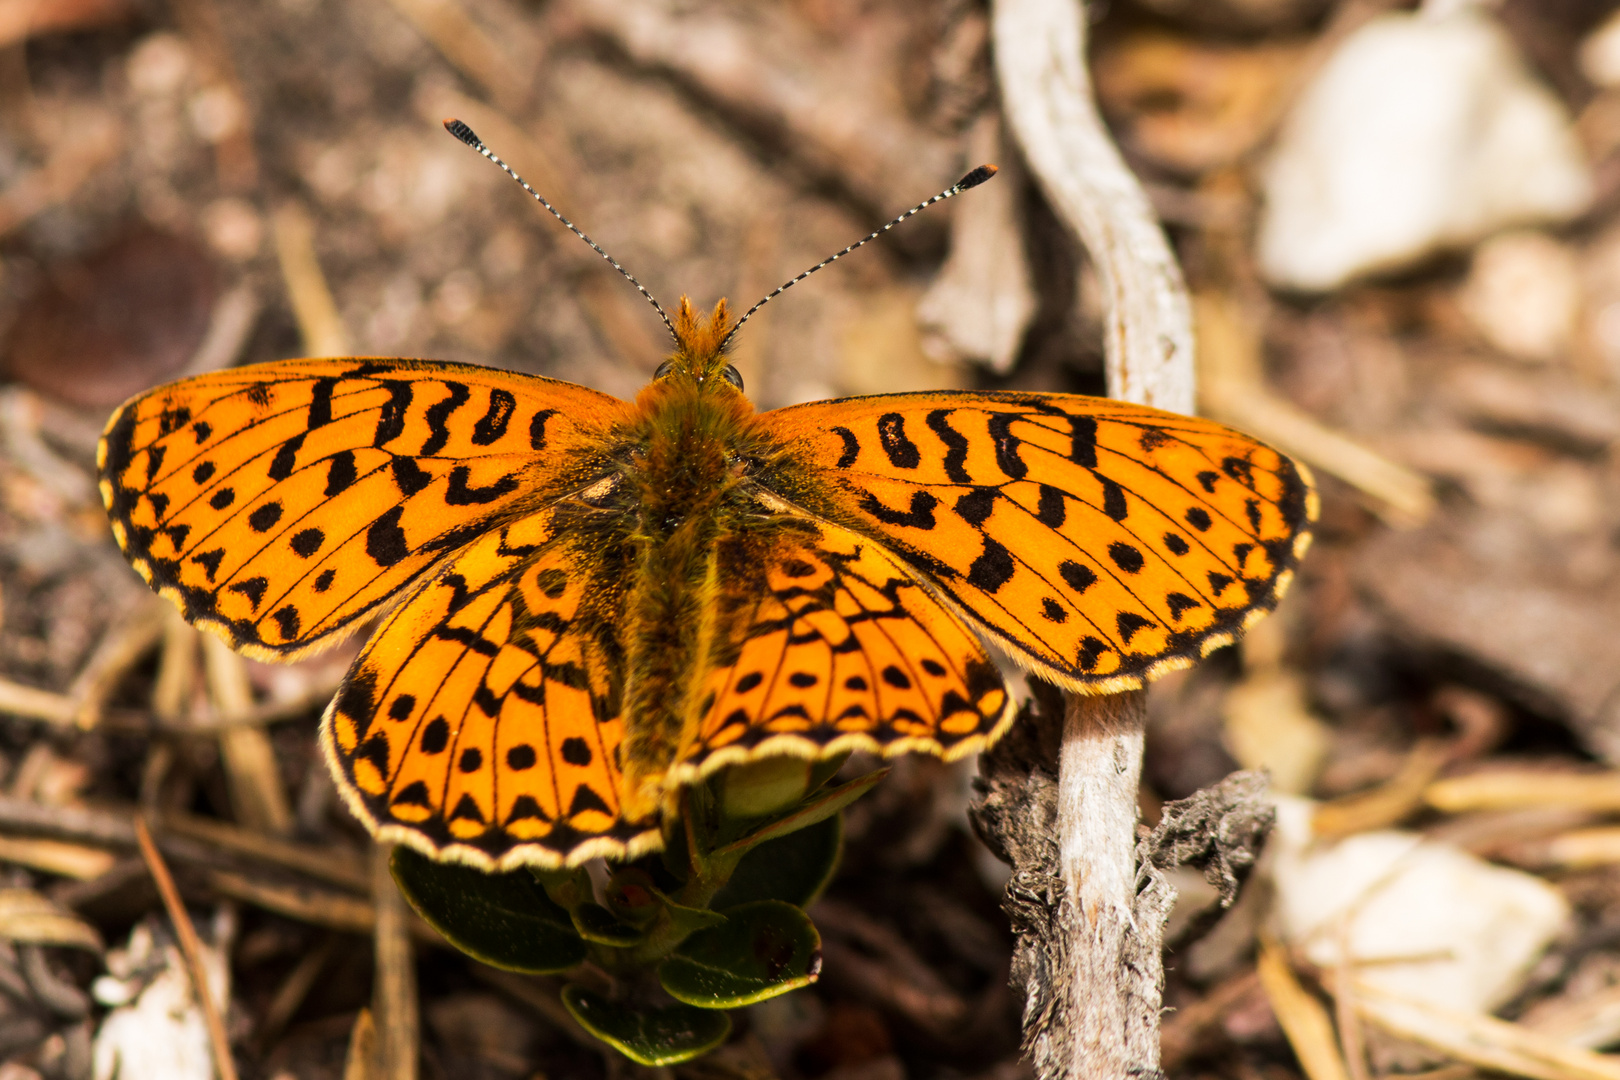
x: 971, y: 180
x: 466, y: 134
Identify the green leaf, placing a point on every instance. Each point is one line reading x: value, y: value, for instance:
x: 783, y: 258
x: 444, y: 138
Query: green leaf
x: 593, y: 922
x: 818, y: 807
x: 824, y: 769
x: 666, y: 1036
x: 792, y: 868
x: 765, y: 948
x: 764, y: 786
x: 505, y: 920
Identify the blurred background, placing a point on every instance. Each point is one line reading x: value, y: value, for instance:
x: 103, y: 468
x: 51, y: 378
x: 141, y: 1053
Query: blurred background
x: 1399, y: 229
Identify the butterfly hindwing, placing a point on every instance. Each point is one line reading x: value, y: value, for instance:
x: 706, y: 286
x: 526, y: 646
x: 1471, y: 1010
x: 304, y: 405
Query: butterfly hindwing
x: 1102, y: 543
x: 481, y: 722
x: 829, y: 644
x: 278, y: 504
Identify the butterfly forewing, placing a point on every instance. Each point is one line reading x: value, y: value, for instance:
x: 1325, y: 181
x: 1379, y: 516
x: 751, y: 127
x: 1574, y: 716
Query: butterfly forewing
x: 482, y: 720
x: 280, y: 503
x: 829, y: 644
x: 1100, y: 542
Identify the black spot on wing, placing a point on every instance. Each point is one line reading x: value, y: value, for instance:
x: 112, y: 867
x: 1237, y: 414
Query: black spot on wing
x: 1113, y: 498
x: 1051, y: 511
x: 1077, y: 577
x: 537, y: 428
x: 307, y: 542
x: 287, y: 621
x: 524, y: 807
x: 286, y: 459
x: 435, y: 736
x: 173, y: 419
x: 586, y: 799
x: 409, y: 477
x: 385, y: 540
x: 320, y: 403
x: 901, y: 451
x: 956, y: 446
x: 264, y: 517
x: 1007, y: 444
x: 1240, y: 470
x: 340, y: 473
x: 1180, y: 604
x: 492, y: 425
x: 467, y: 809
x: 992, y: 569
x: 1083, y: 441
x: 1152, y: 438
x: 576, y: 751
x: 209, y: 561
x: 1126, y: 557
x: 358, y: 699
x: 1198, y: 518
x: 391, y: 418
x: 253, y: 588
x: 852, y: 448
x: 413, y: 794
x: 975, y: 506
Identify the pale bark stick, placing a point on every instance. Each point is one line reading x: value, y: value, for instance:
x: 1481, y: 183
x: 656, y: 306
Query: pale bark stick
x: 1106, y: 1004
x: 395, y: 998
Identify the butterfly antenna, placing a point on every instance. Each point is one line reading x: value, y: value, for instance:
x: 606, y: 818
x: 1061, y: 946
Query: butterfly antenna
x: 468, y: 136
x: 972, y: 180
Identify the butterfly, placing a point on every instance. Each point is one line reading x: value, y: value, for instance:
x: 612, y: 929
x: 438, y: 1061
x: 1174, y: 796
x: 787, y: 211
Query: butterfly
x: 587, y: 604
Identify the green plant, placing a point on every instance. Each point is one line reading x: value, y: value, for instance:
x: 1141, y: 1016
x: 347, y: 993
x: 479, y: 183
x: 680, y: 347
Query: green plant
x: 672, y: 940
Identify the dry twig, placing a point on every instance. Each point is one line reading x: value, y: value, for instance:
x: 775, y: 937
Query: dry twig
x: 191, y: 948
x: 312, y: 303
x: 1103, y: 1018
x: 396, y: 1004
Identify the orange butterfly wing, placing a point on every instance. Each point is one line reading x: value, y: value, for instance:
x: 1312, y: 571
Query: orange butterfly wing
x: 481, y: 722
x: 829, y: 644
x: 280, y: 503
x: 1101, y: 543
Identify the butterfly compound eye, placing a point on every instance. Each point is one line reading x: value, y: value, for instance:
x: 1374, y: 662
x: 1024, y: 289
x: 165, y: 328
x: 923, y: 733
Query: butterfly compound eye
x: 663, y: 369
x: 732, y: 376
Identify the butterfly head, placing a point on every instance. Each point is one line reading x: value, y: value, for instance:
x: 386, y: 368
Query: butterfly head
x: 699, y: 358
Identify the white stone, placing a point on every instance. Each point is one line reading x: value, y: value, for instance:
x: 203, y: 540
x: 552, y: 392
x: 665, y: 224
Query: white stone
x: 1523, y: 295
x: 1416, y: 918
x: 1421, y: 132
x: 156, y: 1028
